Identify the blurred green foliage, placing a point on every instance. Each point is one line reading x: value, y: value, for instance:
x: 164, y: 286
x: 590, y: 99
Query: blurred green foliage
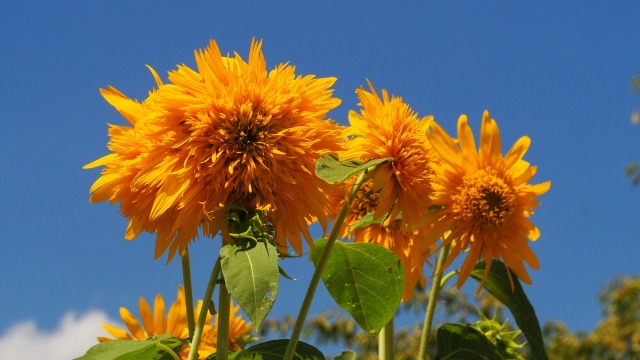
x: 616, y: 336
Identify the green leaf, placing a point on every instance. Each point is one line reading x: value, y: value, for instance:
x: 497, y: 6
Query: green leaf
x: 153, y: 348
x: 332, y: 170
x: 284, y: 274
x: 365, y: 279
x: 275, y: 350
x: 346, y: 355
x: 251, y: 275
x: 461, y: 341
x: 367, y: 220
x: 497, y: 284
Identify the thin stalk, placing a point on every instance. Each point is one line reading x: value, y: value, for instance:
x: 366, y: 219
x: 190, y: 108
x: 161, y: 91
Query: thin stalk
x: 431, y: 305
x: 385, y: 342
x: 447, y: 277
x: 168, y: 350
x: 224, y: 304
x: 188, y: 290
x: 315, y: 279
x: 202, y: 317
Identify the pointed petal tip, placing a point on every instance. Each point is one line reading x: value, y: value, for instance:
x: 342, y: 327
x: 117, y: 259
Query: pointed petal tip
x: 155, y: 75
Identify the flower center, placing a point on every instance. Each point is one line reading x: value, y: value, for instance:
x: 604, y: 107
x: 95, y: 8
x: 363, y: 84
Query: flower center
x: 241, y: 147
x: 248, y: 135
x: 483, y: 199
x: 366, y: 201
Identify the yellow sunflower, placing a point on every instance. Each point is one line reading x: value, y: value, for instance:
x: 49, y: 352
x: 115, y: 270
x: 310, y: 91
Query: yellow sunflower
x: 486, y: 198
x: 154, y: 322
x: 230, y: 132
x: 387, y: 127
x: 408, y: 245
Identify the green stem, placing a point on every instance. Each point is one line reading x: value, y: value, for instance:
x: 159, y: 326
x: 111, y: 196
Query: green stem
x: 315, y: 279
x: 224, y: 304
x: 202, y: 317
x: 447, y: 277
x: 385, y: 342
x: 188, y: 290
x: 168, y: 350
x: 431, y: 305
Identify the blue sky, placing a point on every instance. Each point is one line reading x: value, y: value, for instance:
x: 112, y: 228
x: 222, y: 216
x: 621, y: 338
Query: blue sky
x: 558, y: 72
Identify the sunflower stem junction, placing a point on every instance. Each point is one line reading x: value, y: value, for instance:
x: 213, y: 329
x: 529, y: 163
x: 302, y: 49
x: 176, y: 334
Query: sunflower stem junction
x: 224, y: 303
x: 385, y: 342
x: 202, y: 317
x: 315, y: 279
x: 436, y: 285
x: 188, y: 290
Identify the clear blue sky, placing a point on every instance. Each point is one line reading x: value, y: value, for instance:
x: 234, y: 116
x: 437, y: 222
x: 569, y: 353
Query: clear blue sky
x: 558, y: 72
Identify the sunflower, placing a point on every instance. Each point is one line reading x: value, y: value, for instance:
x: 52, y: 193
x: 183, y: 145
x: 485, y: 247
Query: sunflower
x: 175, y: 323
x: 408, y: 245
x: 228, y: 133
x: 485, y: 199
x: 387, y: 127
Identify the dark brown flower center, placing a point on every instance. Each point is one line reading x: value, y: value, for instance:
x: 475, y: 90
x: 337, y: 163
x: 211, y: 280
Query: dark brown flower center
x: 366, y: 201
x: 247, y: 136
x: 483, y: 199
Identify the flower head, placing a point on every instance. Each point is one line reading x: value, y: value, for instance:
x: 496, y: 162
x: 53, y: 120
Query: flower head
x: 387, y: 127
x: 501, y: 336
x: 154, y: 322
x: 486, y: 198
x: 228, y: 133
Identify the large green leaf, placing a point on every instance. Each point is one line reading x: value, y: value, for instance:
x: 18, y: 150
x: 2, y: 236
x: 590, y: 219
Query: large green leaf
x: 251, y: 275
x: 275, y: 350
x: 152, y: 348
x: 332, y: 170
x: 463, y: 342
x: 497, y: 284
x: 365, y: 279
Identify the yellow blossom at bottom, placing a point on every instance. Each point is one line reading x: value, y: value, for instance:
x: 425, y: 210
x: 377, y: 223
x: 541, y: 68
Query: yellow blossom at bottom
x: 155, y: 322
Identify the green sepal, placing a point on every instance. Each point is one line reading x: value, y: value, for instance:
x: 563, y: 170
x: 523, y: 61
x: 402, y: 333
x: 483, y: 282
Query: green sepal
x: 156, y: 348
x: 284, y: 274
x: 364, y: 279
x: 247, y: 228
x: 334, y: 171
x: 497, y: 283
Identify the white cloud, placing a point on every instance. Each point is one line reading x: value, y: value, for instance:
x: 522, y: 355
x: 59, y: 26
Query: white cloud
x: 74, y: 335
